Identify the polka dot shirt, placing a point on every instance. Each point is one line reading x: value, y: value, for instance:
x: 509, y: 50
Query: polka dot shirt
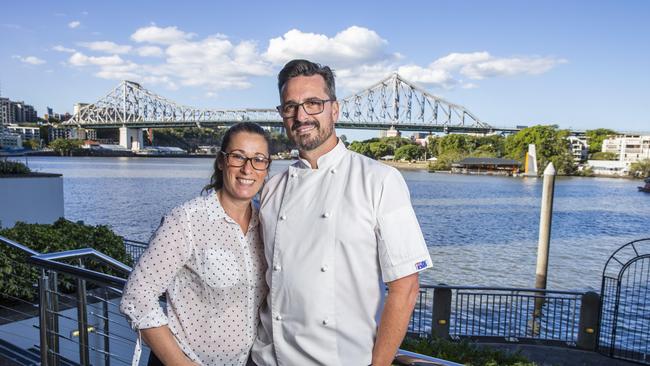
x: 213, y: 275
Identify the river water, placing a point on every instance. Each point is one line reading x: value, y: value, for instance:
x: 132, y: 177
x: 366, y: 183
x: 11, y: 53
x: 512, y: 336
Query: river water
x: 480, y: 230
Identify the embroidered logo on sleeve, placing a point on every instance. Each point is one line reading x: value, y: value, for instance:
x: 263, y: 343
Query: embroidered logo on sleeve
x: 421, y: 265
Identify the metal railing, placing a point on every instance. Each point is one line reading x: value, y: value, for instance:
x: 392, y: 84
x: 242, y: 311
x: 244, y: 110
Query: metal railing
x: 76, y: 319
x: 134, y: 248
x: 498, y: 314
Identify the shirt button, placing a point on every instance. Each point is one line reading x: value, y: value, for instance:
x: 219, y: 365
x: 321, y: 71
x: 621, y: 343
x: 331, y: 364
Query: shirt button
x: 327, y: 214
x: 293, y: 175
x: 277, y: 268
x: 333, y: 171
x: 323, y: 269
x: 283, y: 217
x: 325, y: 321
x: 278, y: 317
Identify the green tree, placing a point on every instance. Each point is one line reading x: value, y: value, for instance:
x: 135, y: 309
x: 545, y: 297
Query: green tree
x: 31, y: 144
x: 596, y: 137
x: 361, y: 148
x: 604, y: 156
x: 551, y: 144
x: 65, y: 146
x: 640, y: 168
x: 380, y: 148
x: 445, y: 160
x: 409, y: 152
x: 462, y: 144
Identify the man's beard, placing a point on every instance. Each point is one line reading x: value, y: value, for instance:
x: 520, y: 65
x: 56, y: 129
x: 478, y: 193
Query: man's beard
x: 309, y: 142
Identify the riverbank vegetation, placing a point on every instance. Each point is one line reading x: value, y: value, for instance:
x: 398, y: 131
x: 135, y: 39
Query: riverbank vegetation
x: 18, y: 276
x: 463, y: 352
x: 13, y: 168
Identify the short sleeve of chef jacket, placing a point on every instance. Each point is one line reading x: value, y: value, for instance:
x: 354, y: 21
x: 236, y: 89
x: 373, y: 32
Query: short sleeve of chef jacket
x: 401, y: 246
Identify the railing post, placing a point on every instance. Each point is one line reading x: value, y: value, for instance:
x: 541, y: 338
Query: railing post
x: 42, y: 316
x: 82, y: 323
x: 53, y: 317
x: 441, y: 313
x: 107, y: 341
x: 589, y: 321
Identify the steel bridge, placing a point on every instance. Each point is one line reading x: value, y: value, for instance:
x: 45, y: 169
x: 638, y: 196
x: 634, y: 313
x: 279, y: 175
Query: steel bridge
x: 392, y: 102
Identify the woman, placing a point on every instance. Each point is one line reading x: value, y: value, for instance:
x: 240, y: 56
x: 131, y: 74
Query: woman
x: 207, y: 256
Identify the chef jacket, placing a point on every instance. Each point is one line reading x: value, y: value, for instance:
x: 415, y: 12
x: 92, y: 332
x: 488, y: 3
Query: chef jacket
x: 332, y: 237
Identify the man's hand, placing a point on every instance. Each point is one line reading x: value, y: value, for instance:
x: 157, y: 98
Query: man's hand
x: 400, y: 301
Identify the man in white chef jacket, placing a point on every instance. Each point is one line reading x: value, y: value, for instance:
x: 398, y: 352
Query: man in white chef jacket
x: 337, y: 227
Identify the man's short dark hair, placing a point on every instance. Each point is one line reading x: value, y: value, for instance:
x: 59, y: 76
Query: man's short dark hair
x: 307, y: 68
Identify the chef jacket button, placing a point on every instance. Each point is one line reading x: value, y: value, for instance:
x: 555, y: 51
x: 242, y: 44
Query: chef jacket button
x: 283, y: 217
x: 325, y: 321
x: 327, y: 214
x: 277, y: 268
x: 293, y: 175
x: 278, y: 317
x: 333, y: 171
x: 323, y: 269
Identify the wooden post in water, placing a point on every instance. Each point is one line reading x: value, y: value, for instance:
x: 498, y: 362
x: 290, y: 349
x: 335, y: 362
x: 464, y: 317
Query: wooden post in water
x: 544, y: 241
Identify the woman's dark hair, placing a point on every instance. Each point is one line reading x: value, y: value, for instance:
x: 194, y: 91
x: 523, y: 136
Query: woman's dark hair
x: 216, y: 181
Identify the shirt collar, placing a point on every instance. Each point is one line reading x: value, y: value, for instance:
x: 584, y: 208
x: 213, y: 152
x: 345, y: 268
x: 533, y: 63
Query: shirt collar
x: 216, y: 211
x: 328, y: 159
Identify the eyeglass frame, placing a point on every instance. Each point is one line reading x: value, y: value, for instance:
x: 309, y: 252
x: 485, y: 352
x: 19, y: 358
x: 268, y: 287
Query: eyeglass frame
x: 298, y: 105
x: 247, y: 159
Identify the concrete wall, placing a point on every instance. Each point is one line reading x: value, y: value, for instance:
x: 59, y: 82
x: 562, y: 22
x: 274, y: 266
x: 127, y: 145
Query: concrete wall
x: 32, y: 199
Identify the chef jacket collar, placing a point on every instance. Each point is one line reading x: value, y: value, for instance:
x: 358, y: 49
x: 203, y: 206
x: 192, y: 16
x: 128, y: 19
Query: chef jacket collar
x: 216, y: 211
x: 328, y: 159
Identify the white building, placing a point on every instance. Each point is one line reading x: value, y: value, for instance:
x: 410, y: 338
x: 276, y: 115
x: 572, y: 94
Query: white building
x: 629, y: 148
x: 27, y: 133
x: 609, y: 167
x: 579, y: 148
x: 10, y: 140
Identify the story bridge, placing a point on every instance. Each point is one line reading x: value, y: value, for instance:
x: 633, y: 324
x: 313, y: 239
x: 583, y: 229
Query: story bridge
x: 392, y: 102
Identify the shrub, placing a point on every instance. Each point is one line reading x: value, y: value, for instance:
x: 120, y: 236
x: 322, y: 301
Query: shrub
x: 13, y: 167
x: 463, y: 352
x: 60, y: 236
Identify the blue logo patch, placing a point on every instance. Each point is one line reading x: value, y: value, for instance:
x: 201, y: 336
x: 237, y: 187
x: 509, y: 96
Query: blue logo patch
x: 421, y: 265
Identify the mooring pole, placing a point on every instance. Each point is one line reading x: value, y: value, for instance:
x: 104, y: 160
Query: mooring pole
x: 544, y: 237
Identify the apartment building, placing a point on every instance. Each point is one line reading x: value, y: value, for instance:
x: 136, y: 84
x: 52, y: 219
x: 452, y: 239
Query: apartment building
x: 629, y: 148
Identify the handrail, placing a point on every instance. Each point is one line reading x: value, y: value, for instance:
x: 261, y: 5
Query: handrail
x: 495, y: 288
x: 18, y: 246
x: 86, y: 252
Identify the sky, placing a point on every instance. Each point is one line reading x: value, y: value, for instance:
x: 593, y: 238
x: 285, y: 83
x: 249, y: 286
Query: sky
x: 577, y: 64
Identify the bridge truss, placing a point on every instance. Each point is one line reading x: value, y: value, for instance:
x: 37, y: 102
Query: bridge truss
x: 391, y: 102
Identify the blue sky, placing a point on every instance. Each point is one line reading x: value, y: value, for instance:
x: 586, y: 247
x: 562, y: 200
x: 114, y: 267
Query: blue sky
x: 578, y: 64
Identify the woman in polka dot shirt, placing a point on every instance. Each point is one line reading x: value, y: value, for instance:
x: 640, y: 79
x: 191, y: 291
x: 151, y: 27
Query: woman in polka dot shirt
x: 208, y: 257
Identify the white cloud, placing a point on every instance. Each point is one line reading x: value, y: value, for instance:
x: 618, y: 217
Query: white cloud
x: 352, y: 46
x: 74, y: 24
x: 150, y: 51
x: 60, y: 48
x: 454, y: 61
x: 163, y: 36
x: 79, y: 59
x: 32, y: 60
x: 510, y: 67
x: 106, y: 46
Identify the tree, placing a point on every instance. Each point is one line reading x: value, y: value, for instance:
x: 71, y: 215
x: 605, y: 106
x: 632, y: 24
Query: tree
x: 380, y: 149
x: 66, y: 147
x: 31, y: 144
x: 551, y: 144
x: 596, y: 137
x: 360, y: 148
x: 640, y: 168
x: 409, y: 152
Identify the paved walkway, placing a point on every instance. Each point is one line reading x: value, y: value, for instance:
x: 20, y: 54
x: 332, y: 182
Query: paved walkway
x: 560, y: 356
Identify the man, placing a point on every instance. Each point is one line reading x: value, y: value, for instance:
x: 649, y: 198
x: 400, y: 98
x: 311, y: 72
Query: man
x: 336, y: 227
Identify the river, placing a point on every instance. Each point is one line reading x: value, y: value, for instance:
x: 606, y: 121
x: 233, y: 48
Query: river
x: 480, y: 230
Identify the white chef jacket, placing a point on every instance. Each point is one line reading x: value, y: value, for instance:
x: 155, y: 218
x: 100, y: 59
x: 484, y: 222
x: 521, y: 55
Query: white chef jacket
x: 213, y: 275
x: 332, y: 237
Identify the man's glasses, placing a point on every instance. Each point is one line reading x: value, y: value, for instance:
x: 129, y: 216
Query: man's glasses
x: 258, y: 162
x: 311, y: 107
